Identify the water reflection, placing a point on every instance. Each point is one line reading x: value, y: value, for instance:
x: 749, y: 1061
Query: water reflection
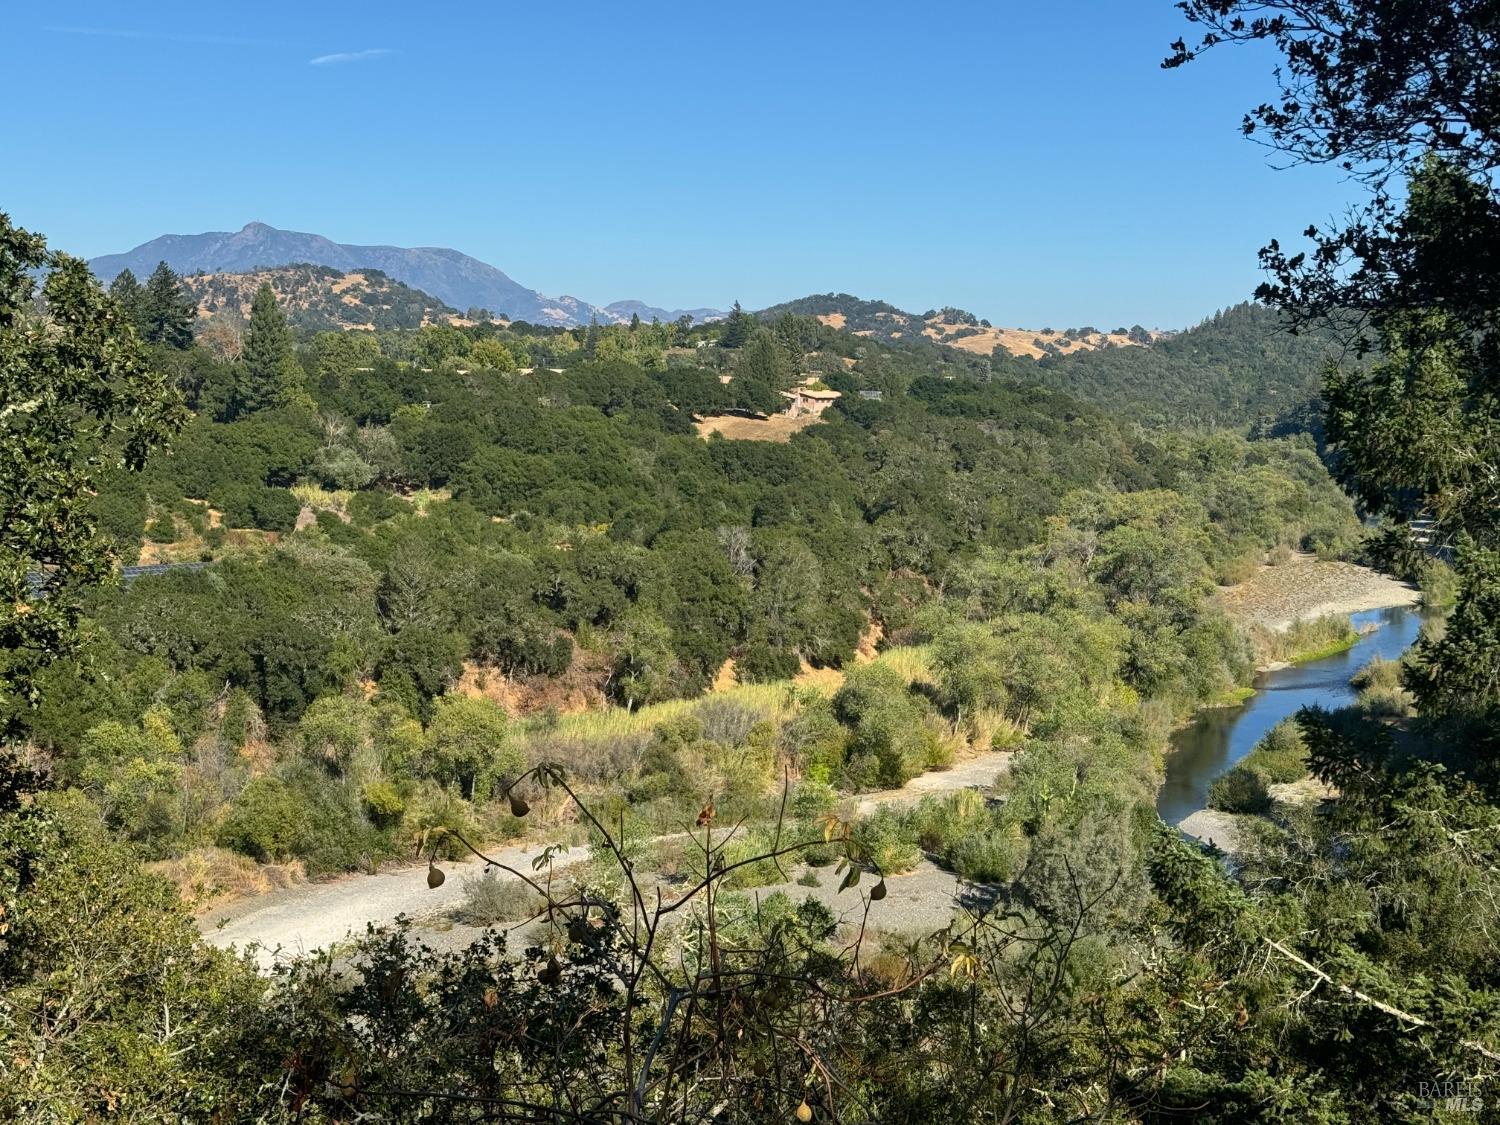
x: 1216, y: 739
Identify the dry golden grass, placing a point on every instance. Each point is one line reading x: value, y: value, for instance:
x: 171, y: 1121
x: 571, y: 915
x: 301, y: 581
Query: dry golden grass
x: 348, y: 281
x: 335, y: 500
x: 208, y: 877
x: 725, y: 678
x: 779, y: 699
x: 834, y: 320
x: 778, y: 427
x: 1019, y: 341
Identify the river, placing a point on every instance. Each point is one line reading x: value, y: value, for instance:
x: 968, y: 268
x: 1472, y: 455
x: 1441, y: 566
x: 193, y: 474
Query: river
x: 1219, y: 737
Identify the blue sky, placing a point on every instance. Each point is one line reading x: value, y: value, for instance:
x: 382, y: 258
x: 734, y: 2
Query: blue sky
x: 1027, y: 161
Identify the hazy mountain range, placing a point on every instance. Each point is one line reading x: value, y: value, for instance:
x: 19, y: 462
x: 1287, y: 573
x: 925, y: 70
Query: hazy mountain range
x: 449, y: 275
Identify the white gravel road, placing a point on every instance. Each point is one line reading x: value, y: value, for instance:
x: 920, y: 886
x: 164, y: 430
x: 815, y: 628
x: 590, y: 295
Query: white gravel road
x: 313, y: 916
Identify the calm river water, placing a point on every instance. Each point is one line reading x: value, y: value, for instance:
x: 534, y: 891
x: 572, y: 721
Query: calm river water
x: 1218, y: 738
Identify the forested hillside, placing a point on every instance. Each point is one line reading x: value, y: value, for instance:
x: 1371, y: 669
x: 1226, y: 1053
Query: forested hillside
x: 1239, y: 367
x: 1242, y: 367
x: 956, y: 327
x: 319, y: 298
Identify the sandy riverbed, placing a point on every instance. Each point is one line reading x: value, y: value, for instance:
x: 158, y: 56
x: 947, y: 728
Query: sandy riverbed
x: 1307, y: 587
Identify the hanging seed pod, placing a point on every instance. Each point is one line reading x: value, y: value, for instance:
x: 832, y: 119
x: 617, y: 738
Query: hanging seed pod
x: 877, y: 892
x: 435, y: 876
x: 551, y: 973
x: 804, y: 1112
x: 577, y: 930
x: 518, y: 807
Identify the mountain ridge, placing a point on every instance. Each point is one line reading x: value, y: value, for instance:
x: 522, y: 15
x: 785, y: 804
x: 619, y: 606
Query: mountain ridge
x: 954, y: 327
x: 320, y: 298
x: 449, y: 275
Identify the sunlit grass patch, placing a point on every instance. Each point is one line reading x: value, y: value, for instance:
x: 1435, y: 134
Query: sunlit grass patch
x: 1308, y: 640
x: 912, y: 662
x: 319, y: 499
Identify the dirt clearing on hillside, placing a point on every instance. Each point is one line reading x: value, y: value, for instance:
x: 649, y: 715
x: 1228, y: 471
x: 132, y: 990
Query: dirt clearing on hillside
x: 778, y: 427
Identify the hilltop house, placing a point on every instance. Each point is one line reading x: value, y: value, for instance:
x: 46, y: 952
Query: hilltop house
x: 808, y: 400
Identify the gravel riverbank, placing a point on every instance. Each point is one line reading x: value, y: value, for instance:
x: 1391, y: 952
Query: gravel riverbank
x: 1307, y: 587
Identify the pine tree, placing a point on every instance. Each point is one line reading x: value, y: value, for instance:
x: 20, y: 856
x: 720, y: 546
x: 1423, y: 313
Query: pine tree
x: 166, y: 310
x: 269, y: 374
x: 737, y: 328
x: 126, y: 291
x: 762, y: 372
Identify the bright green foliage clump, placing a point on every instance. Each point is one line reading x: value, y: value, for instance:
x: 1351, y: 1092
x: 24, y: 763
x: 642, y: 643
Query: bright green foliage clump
x: 78, y: 401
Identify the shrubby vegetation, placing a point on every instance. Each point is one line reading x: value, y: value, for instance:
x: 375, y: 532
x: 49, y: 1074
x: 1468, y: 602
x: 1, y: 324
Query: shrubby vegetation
x: 1038, y: 574
x: 1277, y: 759
x: 568, y: 533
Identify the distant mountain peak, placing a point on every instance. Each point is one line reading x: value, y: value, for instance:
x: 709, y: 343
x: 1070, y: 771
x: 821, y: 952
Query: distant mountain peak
x: 624, y: 310
x: 451, y: 276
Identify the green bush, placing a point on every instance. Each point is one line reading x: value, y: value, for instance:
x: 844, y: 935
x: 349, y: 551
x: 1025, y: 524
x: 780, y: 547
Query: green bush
x: 761, y: 872
x: 889, y: 742
x: 763, y: 663
x: 120, y: 507
x: 886, y: 842
x: 373, y: 505
x: 264, y: 821
x: 1281, y: 756
x: 1381, y: 692
x: 258, y: 506
x: 439, y: 815
x: 301, y: 814
x: 489, y: 899
x: 987, y: 857
x: 814, y: 742
x: 383, y: 804
x: 938, y: 823
x: 1439, y: 583
x: 813, y: 799
x: 1241, y: 790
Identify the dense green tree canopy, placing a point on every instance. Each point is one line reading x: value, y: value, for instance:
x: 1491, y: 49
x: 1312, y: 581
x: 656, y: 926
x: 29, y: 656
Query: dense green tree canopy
x: 165, y: 312
x: 77, y: 399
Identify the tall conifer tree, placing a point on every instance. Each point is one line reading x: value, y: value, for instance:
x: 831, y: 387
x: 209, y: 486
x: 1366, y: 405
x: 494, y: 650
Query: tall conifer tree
x: 126, y: 291
x: 737, y: 328
x: 269, y: 375
x: 166, y: 310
